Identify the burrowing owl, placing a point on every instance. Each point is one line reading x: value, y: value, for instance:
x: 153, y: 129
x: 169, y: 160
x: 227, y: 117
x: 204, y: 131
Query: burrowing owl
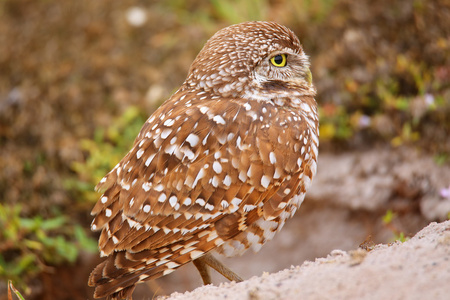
x: 219, y: 166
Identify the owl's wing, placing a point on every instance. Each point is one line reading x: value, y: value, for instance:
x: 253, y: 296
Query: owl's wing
x: 195, y: 162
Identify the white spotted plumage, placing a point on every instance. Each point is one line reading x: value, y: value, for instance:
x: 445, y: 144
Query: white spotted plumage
x: 219, y: 166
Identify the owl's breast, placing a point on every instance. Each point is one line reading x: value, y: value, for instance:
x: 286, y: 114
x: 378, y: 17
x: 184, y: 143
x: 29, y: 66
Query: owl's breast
x: 285, y: 142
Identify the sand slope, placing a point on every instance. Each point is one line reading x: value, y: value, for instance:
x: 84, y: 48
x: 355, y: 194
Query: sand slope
x: 416, y: 269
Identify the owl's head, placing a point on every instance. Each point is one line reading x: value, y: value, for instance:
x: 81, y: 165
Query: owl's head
x: 253, y: 60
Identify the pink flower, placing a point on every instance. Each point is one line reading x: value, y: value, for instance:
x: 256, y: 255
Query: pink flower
x: 445, y: 192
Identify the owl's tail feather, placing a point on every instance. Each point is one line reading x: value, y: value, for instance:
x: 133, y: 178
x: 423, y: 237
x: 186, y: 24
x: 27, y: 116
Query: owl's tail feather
x: 117, y: 276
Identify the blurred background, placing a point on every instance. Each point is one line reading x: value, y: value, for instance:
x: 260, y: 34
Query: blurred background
x: 79, y: 78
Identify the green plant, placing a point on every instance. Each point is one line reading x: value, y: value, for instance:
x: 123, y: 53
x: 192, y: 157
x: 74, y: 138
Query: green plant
x: 31, y: 245
x: 388, y: 219
x: 403, y: 100
x: 104, y: 151
x: 240, y: 11
x: 335, y: 123
x: 14, y: 290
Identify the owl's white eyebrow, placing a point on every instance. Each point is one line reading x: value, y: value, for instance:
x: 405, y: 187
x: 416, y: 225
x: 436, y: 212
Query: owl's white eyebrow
x: 288, y: 51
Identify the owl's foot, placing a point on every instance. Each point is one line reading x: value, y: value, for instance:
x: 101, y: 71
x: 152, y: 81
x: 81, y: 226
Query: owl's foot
x: 206, y: 260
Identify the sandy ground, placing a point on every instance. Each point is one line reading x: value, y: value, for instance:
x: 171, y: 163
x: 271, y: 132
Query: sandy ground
x: 416, y: 269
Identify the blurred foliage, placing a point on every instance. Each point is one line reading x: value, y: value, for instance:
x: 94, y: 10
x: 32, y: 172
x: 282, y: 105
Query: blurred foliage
x: 240, y: 11
x: 386, y: 79
x: 104, y: 151
x: 383, y: 110
x: 33, y: 245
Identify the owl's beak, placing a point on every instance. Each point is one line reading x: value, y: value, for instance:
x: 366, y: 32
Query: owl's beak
x: 303, y: 78
x: 308, y: 76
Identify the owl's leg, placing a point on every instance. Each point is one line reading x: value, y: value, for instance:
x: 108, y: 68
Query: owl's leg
x: 203, y: 269
x: 206, y: 260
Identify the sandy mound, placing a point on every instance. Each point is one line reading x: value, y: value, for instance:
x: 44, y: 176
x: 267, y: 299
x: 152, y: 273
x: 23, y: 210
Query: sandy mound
x: 416, y: 269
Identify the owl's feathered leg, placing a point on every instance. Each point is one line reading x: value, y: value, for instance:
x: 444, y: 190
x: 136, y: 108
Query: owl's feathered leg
x: 202, y: 264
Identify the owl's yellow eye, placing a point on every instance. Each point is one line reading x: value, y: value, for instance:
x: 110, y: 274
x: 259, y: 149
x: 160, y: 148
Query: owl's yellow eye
x: 279, y: 60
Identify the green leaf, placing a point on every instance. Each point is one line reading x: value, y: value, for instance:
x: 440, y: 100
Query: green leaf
x: 388, y: 217
x: 29, y: 224
x: 15, y: 291
x: 33, y: 245
x: 55, y: 223
x: 86, y: 243
x: 26, y: 262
